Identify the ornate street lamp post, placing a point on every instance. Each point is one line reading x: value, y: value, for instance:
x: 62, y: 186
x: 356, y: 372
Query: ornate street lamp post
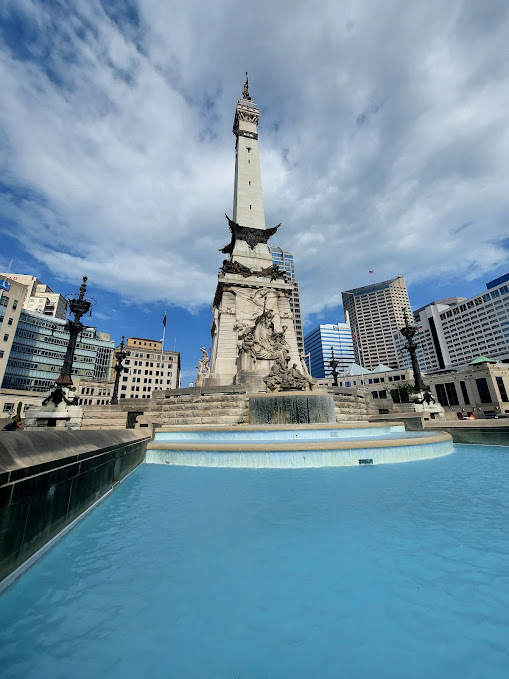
x: 120, y: 356
x: 79, y: 307
x: 409, y: 331
x: 334, y: 364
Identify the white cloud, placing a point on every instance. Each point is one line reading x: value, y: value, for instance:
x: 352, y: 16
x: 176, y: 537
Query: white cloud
x: 383, y: 137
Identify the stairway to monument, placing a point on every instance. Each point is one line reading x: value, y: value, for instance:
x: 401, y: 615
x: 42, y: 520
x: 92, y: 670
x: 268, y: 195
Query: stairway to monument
x: 211, y: 409
x: 208, y: 410
x: 350, y: 408
x: 103, y: 417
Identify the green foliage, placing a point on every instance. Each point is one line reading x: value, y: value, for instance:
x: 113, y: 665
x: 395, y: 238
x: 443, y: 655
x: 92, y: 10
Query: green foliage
x: 17, y: 417
x: 401, y: 393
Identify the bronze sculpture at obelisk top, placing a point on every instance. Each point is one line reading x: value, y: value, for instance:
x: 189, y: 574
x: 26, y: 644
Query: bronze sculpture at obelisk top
x: 253, y: 335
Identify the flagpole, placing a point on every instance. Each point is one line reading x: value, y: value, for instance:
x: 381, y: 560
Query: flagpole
x: 162, y: 342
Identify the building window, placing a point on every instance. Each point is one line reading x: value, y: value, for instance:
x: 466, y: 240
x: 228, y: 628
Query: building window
x: 502, y: 389
x: 6, y: 337
x: 464, y: 393
x: 447, y: 394
x: 482, y: 388
x: 8, y: 407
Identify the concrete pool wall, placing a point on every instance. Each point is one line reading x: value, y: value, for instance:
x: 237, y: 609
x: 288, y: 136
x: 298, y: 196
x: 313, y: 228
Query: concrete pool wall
x: 49, y: 478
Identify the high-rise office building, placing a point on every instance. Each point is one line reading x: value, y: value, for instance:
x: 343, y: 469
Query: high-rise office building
x: 456, y: 330
x: 284, y: 260
x: 318, y: 344
x: 375, y: 313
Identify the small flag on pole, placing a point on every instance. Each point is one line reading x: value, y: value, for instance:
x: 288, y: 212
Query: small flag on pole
x: 371, y: 272
x: 164, y: 320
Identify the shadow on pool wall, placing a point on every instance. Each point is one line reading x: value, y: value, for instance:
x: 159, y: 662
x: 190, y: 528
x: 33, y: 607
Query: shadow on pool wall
x: 48, y: 479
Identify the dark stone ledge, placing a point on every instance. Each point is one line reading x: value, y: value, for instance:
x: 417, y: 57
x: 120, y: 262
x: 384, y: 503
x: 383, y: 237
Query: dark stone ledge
x: 47, y: 479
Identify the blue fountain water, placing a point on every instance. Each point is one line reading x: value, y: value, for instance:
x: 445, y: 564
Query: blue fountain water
x: 389, y: 571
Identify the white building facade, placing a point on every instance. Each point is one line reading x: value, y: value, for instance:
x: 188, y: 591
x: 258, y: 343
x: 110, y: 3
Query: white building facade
x: 147, y: 368
x: 455, y: 332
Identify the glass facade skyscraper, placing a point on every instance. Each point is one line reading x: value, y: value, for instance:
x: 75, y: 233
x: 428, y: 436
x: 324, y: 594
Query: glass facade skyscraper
x: 38, y: 349
x: 284, y: 260
x: 318, y: 345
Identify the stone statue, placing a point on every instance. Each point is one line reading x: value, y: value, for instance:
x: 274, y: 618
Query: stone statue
x: 273, y: 379
x: 204, y: 362
x: 296, y: 380
x: 263, y: 335
x: 247, y: 345
x: 280, y: 347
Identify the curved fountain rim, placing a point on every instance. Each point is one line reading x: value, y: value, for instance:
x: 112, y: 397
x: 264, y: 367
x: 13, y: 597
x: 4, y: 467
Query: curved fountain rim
x: 282, y: 427
x: 273, y: 446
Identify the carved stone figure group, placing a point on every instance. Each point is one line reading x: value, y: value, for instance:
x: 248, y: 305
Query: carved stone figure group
x: 282, y: 377
x: 262, y: 342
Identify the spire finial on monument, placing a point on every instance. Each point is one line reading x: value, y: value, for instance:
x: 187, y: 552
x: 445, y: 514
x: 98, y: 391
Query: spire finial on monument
x: 245, y: 91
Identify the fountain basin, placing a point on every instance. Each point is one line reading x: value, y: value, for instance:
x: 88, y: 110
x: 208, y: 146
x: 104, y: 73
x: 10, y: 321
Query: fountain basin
x: 296, y: 447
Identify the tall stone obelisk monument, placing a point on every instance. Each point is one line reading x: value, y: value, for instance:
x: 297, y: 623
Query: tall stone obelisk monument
x: 253, y: 335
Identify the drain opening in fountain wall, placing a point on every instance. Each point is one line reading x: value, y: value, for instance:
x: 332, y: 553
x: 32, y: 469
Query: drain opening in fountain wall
x: 367, y: 460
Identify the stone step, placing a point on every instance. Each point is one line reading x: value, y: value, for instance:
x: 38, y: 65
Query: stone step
x: 207, y: 399
x: 198, y: 412
x: 212, y: 421
x: 203, y: 406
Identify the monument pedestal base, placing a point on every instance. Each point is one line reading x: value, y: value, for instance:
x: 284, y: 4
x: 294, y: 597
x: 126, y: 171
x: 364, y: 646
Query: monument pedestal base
x: 59, y: 410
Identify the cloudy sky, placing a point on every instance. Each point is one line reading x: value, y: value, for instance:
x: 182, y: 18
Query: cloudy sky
x: 384, y: 141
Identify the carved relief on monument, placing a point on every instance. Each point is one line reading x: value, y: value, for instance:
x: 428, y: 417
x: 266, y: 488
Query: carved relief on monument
x: 261, y: 343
